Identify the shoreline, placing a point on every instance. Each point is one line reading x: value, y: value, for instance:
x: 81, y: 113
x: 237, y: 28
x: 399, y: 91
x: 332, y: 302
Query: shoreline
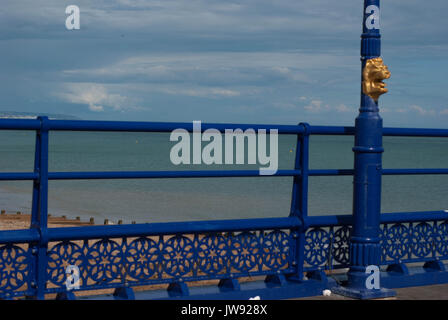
x: 20, y: 221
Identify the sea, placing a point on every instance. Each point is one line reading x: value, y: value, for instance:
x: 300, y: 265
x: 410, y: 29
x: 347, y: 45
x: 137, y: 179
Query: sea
x: 186, y: 199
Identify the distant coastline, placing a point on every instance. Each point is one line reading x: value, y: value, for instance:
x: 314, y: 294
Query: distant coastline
x: 31, y: 115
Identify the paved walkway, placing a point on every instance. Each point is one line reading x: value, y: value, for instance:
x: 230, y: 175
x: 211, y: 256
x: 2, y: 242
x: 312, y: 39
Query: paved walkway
x: 435, y: 292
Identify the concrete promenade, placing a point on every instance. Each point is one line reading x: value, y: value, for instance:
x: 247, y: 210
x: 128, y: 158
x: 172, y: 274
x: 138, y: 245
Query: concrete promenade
x: 435, y: 292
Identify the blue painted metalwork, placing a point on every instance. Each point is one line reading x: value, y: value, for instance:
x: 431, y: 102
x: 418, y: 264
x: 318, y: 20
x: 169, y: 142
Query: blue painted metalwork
x: 299, y: 199
x: 365, y: 245
x: 33, y: 261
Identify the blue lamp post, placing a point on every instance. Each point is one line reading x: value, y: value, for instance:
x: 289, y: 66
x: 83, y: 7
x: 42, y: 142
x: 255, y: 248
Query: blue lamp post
x: 365, y: 250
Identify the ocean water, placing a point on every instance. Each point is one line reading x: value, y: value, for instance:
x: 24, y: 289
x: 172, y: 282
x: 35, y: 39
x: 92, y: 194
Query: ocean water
x: 158, y: 200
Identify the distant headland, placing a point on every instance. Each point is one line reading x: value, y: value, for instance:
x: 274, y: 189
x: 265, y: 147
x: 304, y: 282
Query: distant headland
x: 32, y: 115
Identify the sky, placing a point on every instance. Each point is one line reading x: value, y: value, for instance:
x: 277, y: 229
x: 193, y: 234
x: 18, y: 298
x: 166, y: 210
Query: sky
x: 248, y: 61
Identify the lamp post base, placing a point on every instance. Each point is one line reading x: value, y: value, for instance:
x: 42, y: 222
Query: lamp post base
x: 363, y: 293
x: 356, y: 286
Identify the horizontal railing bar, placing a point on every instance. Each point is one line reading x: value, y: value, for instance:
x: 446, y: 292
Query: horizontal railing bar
x: 330, y: 172
x: 386, y: 172
x: 19, y: 124
x: 331, y: 130
x: 415, y: 132
x: 414, y: 171
x: 326, y: 221
x: 137, y: 126
x: 164, y: 174
x: 18, y: 176
x: 334, y: 220
x: 167, y: 228
x: 201, y: 174
x: 19, y: 236
x: 77, y: 233
x: 414, y: 216
x: 404, y: 132
x: 89, y: 125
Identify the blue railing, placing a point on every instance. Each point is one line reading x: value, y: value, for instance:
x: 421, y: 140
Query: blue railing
x: 33, y: 262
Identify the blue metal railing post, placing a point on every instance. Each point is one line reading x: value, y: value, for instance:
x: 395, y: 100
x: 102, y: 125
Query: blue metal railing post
x: 365, y: 247
x: 299, y: 200
x: 39, y: 211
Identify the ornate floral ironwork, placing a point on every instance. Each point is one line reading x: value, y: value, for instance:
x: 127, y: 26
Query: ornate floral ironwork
x: 276, y: 250
x: 317, y: 243
x: 104, y: 259
x: 14, y: 268
x: 213, y: 254
x: 142, y: 258
x: 422, y: 239
x: 413, y: 241
x: 59, y: 257
x: 341, y: 245
x: 178, y: 256
x: 395, y: 241
x: 145, y: 260
x: 441, y: 239
x: 245, y: 251
x: 150, y: 260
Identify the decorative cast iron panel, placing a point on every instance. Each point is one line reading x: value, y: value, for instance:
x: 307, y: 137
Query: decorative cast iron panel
x: 15, y: 270
x: 149, y: 260
x: 327, y: 247
x: 414, y: 242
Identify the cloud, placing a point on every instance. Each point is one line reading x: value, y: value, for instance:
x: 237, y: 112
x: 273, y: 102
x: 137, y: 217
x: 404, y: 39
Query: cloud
x: 413, y: 109
x: 218, y: 68
x: 318, y: 106
x: 343, y: 108
x: 96, y: 96
x: 200, y: 92
x: 422, y: 111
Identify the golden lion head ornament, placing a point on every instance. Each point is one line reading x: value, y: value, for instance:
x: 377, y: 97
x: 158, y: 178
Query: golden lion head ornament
x: 372, y: 78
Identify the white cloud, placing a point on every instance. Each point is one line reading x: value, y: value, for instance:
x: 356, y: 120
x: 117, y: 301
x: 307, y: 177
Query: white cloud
x: 219, y: 68
x: 317, y: 106
x: 96, y: 96
x: 314, y: 105
x: 343, y: 108
x: 415, y: 109
x: 422, y: 111
x: 200, y: 92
